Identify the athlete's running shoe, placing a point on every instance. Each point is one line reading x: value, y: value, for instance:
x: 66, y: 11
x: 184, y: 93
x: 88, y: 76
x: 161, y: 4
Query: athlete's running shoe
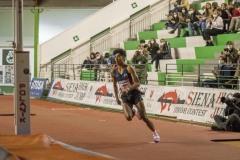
x: 156, y: 137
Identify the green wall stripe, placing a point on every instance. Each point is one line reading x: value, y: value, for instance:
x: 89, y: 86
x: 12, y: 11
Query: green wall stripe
x: 188, y: 64
x: 161, y: 78
x: 158, y: 26
x: 36, y: 40
x: 131, y: 45
x: 177, y: 42
x: 222, y: 39
x: 207, y: 52
x: 147, y: 35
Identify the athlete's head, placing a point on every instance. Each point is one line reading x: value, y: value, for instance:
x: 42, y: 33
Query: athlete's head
x: 120, y: 55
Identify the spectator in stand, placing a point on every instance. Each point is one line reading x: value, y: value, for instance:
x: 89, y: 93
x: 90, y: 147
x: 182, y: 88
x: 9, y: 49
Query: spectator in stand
x: 142, y: 42
x: 176, y: 6
x: 99, y: 60
x: 112, y: 59
x: 235, y: 21
x: 193, y: 22
x: 230, y: 53
x: 226, y: 16
x: 172, y: 20
x: 87, y: 63
x: 146, y: 53
x: 105, y: 68
x: 222, y: 74
x: 90, y: 62
x: 232, y: 57
x: 206, y: 15
x: 184, y: 4
x: 182, y: 23
x: 214, y: 5
x: 153, y: 47
x: 213, y: 28
x: 164, y: 52
x: 139, y: 61
x: 234, y: 80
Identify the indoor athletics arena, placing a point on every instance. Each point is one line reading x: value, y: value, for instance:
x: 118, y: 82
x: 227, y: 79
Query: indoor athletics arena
x: 119, y: 79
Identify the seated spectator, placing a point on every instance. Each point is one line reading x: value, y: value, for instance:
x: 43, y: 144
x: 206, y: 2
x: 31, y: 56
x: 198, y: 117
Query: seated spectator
x: 172, y: 20
x: 235, y: 21
x: 183, y: 16
x: 226, y: 16
x: 176, y: 6
x: 213, y: 28
x: 223, y: 74
x: 207, y: 13
x: 193, y: 22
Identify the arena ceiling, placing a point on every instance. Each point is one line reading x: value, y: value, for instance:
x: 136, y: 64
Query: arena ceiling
x: 60, y: 3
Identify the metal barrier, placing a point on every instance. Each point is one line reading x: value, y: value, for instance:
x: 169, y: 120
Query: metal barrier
x: 200, y: 76
x: 94, y: 72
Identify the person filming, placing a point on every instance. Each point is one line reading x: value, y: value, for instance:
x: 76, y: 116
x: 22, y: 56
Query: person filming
x: 232, y: 110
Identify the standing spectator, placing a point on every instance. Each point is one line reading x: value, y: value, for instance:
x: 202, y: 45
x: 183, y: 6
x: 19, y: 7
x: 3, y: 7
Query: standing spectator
x: 163, y: 52
x: 87, y: 63
x: 140, y: 60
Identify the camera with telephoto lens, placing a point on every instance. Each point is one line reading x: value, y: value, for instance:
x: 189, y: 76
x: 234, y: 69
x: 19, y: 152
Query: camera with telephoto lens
x: 228, y: 101
x: 226, y: 49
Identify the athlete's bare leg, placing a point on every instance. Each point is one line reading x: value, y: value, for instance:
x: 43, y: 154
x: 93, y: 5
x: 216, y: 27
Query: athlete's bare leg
x: 127, y: 110
x: 141, y: 108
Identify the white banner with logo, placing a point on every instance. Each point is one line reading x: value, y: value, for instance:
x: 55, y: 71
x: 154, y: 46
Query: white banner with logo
x: 187, y: 103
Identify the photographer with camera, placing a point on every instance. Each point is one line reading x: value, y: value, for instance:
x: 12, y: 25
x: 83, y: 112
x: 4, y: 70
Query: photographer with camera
x: 231, y: 53
x: 232, y: 110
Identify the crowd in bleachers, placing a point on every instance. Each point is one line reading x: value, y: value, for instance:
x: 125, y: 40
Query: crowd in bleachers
x: 211, y: 20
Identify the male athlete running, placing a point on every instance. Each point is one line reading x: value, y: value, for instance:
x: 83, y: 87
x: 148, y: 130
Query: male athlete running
x: 128, y: 82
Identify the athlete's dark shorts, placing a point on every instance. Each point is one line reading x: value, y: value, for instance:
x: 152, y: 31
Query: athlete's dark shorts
x: 133, y: 97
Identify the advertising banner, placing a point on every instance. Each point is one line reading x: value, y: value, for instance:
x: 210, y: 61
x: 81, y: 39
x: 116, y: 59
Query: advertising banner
x: 202, y: 104
x: 37, y: 87
x: 186, y: 103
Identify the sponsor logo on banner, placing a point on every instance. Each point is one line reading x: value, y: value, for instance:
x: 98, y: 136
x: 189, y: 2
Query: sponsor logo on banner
x: 169, y: 98
x: 37, y: 87
x: 202, y: 105
x: 7, y: 57
x: 102, y: 91
x: 57, y: 86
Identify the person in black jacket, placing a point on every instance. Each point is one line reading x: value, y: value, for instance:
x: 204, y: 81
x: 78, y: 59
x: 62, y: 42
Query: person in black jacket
x: 164, y: 52
x: 232, y: 110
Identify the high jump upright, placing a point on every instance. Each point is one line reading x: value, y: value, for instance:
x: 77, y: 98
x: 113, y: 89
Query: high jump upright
x: 21, y: 74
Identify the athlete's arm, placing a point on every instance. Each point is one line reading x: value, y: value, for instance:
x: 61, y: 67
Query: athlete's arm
x: 115, y: 87
x: 135, y: 79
